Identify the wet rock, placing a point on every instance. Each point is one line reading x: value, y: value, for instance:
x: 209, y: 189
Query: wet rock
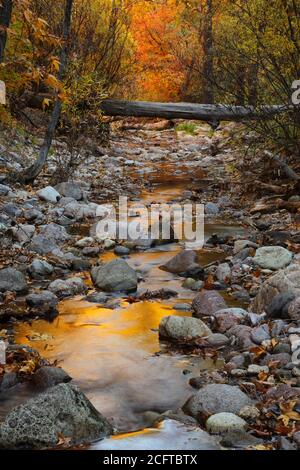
x: 207, y: 302
x: 171, y: 435
x: 49, y: 376
x: 223, y: 272
x: 183, y: 263
x: 260, y: 333
x: 294, y: 309
x: 44, y: 302
x: 239, y: 245
x: 115, y: 276
x: 12, y: 280
x: 224, y: 422
x: 211, y: 208
x: 216, y: 398
x: 182, y: 307
x: 40, y: 269
x: 68, y: 288
x: 62, y: 410
x: 183, y: 328
x: 70, y: 189
x: 97, y: 297
x: 23, y: 233
x: 273, y: 257
x: 121, y: 250
x: 217, y: 340
x: 49, y: 194
x: 285, y: 280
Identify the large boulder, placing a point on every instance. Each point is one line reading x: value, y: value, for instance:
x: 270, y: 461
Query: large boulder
x: 12, y: 280
x: 184, y: 263
x: 285, y: 280
x: 273, y: 257
x: 115, y: 276
x: 61, y: 411
x: 208, y: 302
x: 183, y: 328
x: 216, y: 398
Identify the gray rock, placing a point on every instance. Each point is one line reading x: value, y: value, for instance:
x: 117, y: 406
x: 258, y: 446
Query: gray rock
x: 207, y: 302
x: 34, y: 215
x: 183, y: 328
x: 211, y: 208
x: 242, y: 334
x: 278, y: 308
x: 40, y: 269
x: 294, y: 309
x: 217, y: 340
x: 62, y: 410
x: 216, y: 398
x: 115, y: 276
x: 285, y: 280
x: 70, y: 189
x: 224, y: 422
x: 260, y: 333
x: 68, y: 288
x: 12, y: 280
x: 8, y: 380
x: 44, y: 300
x: 55, y: 232
x: 183, y: 307
x: 239, y: 245
x: 23, y: 233
x: 184, y: 263
x: 79, y: 264
x: 49, y: 194
x: 97, y: 297
x: 48, y: 376
x: 42, y: 245
x: 273, y: 257
x: 223, y: 272
x: 4, y: 190
x: 121, y: 250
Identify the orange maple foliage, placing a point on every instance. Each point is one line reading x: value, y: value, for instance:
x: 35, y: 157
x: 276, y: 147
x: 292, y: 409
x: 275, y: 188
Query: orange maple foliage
x: 159, y: 74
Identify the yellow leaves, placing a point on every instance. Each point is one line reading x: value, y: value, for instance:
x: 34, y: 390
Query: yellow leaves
x: 52, y: 82
x: 55, y: 64
x: 35, y: 336
x: 28, y: 367
x: 46, y: 103
x: 287, y: 412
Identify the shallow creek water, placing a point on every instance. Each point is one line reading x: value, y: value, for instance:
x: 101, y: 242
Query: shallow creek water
x: 112, y: 354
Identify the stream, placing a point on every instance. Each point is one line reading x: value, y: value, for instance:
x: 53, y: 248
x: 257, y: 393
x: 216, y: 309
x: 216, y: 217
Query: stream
x: 114, y: 355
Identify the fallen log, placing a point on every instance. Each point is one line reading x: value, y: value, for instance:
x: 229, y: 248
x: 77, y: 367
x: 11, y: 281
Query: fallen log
x: 201, y: 112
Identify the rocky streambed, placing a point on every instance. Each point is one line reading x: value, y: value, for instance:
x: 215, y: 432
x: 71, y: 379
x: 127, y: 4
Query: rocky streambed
x: 160, y: 345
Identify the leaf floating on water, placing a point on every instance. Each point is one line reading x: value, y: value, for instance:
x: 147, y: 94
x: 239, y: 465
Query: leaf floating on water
x: 35, y: 336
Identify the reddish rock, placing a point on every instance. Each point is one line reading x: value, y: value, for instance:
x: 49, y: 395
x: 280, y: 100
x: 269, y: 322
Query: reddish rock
x: 207, y: 302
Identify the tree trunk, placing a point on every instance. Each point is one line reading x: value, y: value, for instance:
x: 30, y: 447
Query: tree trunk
x: 201, y: 112
x: 208, y: 61
x: 34, y: 170
x: 5, y: 17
